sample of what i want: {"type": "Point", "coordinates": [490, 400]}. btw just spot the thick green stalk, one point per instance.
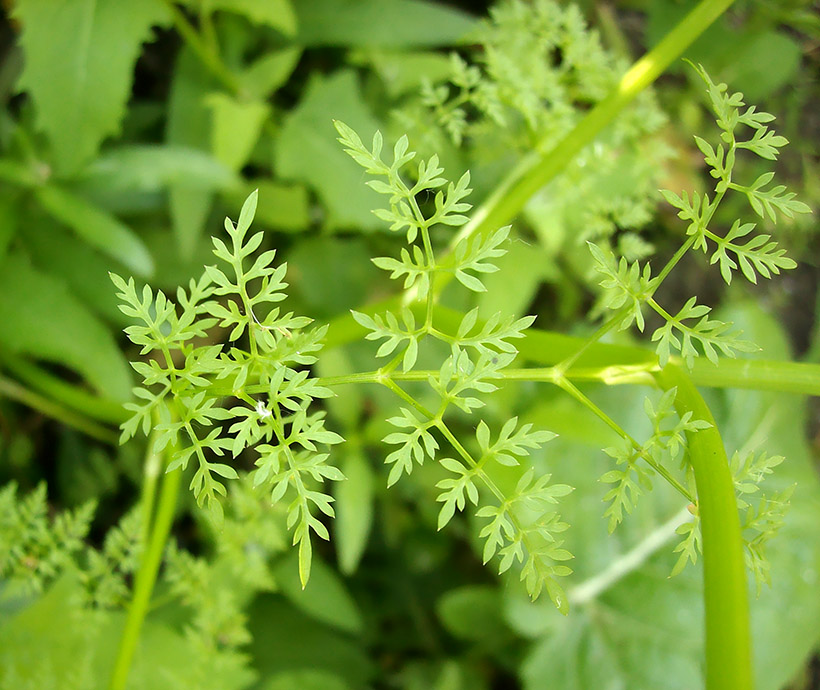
{"type": "Point", "coordinates": [728, 643]}
{"type": "Point", "coordinates": [802, 378]}
{"type": "Point", "coordinates": [147, 575]}
{"type": "Point", "coordinates": [534, 171]}
{"type": "Point", "coordinates": [610, 363]}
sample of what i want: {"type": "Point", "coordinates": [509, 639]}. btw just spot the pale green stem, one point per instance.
{"type": "Point", "coordinates": [146, 578]}
{"type": "Point", "coordinates": [150, 477]}
{"type": "Point", "coordinates": [801, 378]}
{"type": "Point", "coordinates": [728, 643]}
{"type": "Point", "coordinates": [474, 464]}
{"type": "Point", "coordinates": [607, 326]}
{"type": "Point", "coordinates": [409, 399]}
{"type": "Point", "coordinates": [752, 374]}
{"type": "Point", "coordinates": [629, 562]}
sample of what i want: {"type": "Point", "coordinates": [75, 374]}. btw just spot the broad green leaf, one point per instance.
{"type": "Point", "coordinates": [354, 510]}
{"type": "Point", "coordinates": [83, 269]}
{"type": "Point", "coordinates": [644, 634]}
{"type": "Point", "coordinates": [325, 596]}
{"type": "Point", "coordinates": [775, 422]}
{"type": "Point", "coordinates": [307, 150]}
{"type": "Point", "coordinates": [84, 473]}
{"type": "Point", "coordinates": [275, 13]}
{"type": "Point", "coordinates": [284, 207]}
{"type": "Point", "coordinates": [76, 647]}
{"type": "Point", "coordinates": [189, 125]}
{"type": "Point", "coordinates": [79, 60]}
{"type": "Point", "coordinates": [405, 72]}
{"type": "Point", "coordinates": [762, 63]}
{"type": "Point", "coordinates": [97, 227]}
{"type": "Point", "coordinates": [236, 128]}
{"type": "Point", "coordinates": [389, 23]}
{"type": "Point", "coordinates": [511, 289]}
{"type": "Point", "coordinates": [269, 72]}
{"type": "Point", "coordinates": [347, 405]}
{"type": "Point", "coordinates": [640, 629]}
{"type": "Point", "coordinates": [643, 630]}
{"type": "Point", "coordinates": [754, 60]}
{"type": "Point", "coordinates": [305, 680]}
{"type": "Point", "coordinates": [472, 612]}
{"type": "Point", "coordinates": [9, 221]}
{"type": "Point", "coordinates": [329, 294]}
{"type": "Point", "coordinates": [43, 319]}
{"type": "Point", "coordinates": [189, 214]}
{"type": "Point", "coordinates": [152, 168]}
{"type": "Point", "coordinates": [285, 639]}
{"type": "Point", "coordinates": [57, 643]}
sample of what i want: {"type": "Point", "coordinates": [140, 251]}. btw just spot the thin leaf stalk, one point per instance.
{"type": "Point", "coordinates": [612, 424]}
{"type": "Point", "coordinates": [801, 378]}
{"type": "Point", "coordinates": [438, 423]}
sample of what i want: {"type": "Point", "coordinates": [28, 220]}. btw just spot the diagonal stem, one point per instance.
{"type": "Point", "coordinates": [534, 171]}
{"type": "Point", "coordinates": [612, 424]}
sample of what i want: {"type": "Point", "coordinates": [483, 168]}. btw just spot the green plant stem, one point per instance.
{"type": "Point", "coordinates": [150, 478]}
{"type": "Point", "coordinates": [590, 589]}
{"type": "Point", "coordinates": [14, 391]}
{"type": "Point", "coordinates": [534, 171]}
{"type": "Point", "coordinates": [146, 578]}
{"type": "Point", "coordinates": [409, 399]}
{"type": "Point", "coordinates": [208, 30]}
{"type": "Point", "coordinates": [728, 644]}
{"type": "Point", "coordinates": [605, 328]}
{"type": "Point", "coordinates": [752, 374]}
{"type": "Point", "coordinates": [802, 378]}
{"type": "Point", "coordinates": [475, 465]}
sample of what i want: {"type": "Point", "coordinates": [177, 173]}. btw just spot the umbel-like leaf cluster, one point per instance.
{"type": "Point", "coordinates": [521, 526]}
{"type": "Point", "coordinates": [629, 288]}
{"type": "Point", "coordinates": [209, 402]}
{"type": "Point", "coordinates": [691, 331]}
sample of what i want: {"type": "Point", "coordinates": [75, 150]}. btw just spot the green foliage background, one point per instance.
{"type": "Point", "coordinates": [129, 130]}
